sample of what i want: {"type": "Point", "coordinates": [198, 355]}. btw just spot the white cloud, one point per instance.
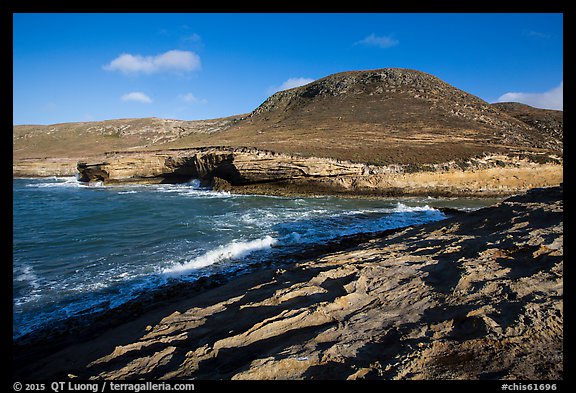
{"type": "Point", "coordinates": [295, 82]}
{"type": "Point", "coordinates": [551, 99]}
{"type": "Point", "coordinates": [378, 41]}
{"type": "Point", "coordinates": [171, 61]}
{"type": "Point", "coordinates": [192, 99]}
{"type": "Point", "coordinates": [536, 34]}
{"type": "Point", "coordinates": [291, 83]}
{"type": "Point", "coordinates": [192, 38]}
{"type": "Point", "coordinates": [136, 96]}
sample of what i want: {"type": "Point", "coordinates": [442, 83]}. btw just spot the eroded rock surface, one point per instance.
{"type": "Point", "coordinates": [238, 166]}
{"type": "Point", "coordinates": [476, 296]}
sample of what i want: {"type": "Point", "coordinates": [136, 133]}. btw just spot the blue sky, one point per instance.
{"type": "Point", "coordinates": [84, 67]}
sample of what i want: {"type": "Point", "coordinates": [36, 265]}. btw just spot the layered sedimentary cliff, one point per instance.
{"type": "Point", "coordinates": [248, 170]}
{"type": "Point", "coordinates": [45, 166]}
{"type": "Point", "coordinates": [238, 166]}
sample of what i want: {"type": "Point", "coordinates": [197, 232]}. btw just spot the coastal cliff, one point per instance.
{"type": "Point", "coordinates": [475, 296]}
{"type": "Point", "coordinates": [250, 170]}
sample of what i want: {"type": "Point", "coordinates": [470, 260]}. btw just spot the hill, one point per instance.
{"type": "Point", "coordinates": [382, 117]}
{"type": "Point", "coordinates": [54, 150]}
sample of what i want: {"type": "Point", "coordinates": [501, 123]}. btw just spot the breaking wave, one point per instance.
{"type": "Point", "coordinates": [231, 251]}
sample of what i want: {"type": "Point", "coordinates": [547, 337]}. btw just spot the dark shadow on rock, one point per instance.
{"type": "Point", "coordinates": [235, 319]}
{"type": "Point", "coordinates": [507, 313]}
{"type": "Point", "coordinates": [495, 375]}
{"type": "Point", "coordinates": [381, 349]}
{"type": "Point", "coordinates": [444, 275]}
{"type": "Point", "coordinates": [468, 328]}
{"type": "Point", "coordinates": [230, 361]}
{"type": "Point", "coordinates": [522, 263]}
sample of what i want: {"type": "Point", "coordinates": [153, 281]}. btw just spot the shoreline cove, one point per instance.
{"type": "Point", "coordinates": [438, 300]}
{"type": "Point", "coordinates": [235, 232]}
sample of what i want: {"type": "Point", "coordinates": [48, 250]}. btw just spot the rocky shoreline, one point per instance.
{"type": "Point", "coordinates": [476, 296]}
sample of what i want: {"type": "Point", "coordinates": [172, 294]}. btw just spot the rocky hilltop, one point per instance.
{"type": "Point", "coordinates": [476, 296]}
{"type": "Point", "coordinates": [388, 131]}
{"type": "Point", "coordinates": [385, 116]}
{"type": "Point", "coordinates": [549, 122]}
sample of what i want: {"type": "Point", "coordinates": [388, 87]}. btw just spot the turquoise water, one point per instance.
{"type": "Point", "coordinates": [82, 249]}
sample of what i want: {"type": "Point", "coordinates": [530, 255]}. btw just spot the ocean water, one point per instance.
{"type": "Point", "coordinates": [81, 249]}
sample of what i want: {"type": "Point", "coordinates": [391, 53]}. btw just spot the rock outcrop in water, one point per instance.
{"type": "Point", "coordinates": [476, 296]}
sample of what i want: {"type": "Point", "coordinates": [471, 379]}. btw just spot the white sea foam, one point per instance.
{"type": "Point", "coordinates": [27, 274]}
{"type": "Point", "coordinates": [68, 181]}
{"type": "Point", "coordinates": [402, 208]}
{"type": "Point", "coordinates": [204, 193]}
{"type": "Point", "coordinates": [233, 250]}
{"type": "Point", "coordinates": [262, 226]}
{"type": "Point", "coordinates": [294, 237]}
{"type": "Point", "coordinates": [260, 218]}
{"type": "Point", "coordinates": [249, 219]}
{"type": "Point", "coordinates": [191, 189]}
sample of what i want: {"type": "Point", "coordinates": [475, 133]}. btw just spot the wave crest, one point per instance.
{"type": "Point", "coordinates": [402, 208]}
{"type": "Point", "coordinates": [233, 250]}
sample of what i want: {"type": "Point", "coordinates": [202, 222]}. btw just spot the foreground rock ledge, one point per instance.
{"type": "Point", "coordinates": [477, 296]}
